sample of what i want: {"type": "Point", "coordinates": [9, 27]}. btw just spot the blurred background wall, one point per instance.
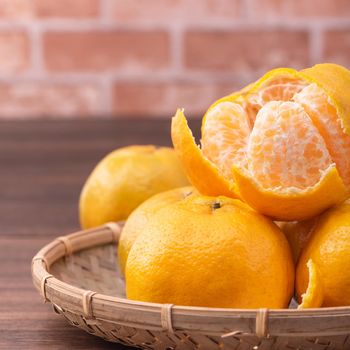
{"type": "Point", "coordinates": [139, 58]}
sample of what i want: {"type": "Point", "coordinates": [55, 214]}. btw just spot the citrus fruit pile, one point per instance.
{"type": "Point", "coordinates": [266, 216]}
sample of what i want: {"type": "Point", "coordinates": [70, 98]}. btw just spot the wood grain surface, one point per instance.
{"type": "Point", "coordinates": [43, 165]}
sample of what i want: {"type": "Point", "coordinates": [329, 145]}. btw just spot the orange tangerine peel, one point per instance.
{"type": "Point", "coordinates": [335, 81]}
{"type": "Point", "coordinates": [313, 297]}
{"type": "Point", "coordinates": [292, 205]}
{"type": "Point", "coordinates": [200, 171]}
{"type": "Point", "coordinates": [281, 144]}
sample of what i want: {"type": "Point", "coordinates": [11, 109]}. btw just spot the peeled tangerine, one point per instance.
{"type": "Point", "coordinates": [282, 144]}
{"type": "Point", "coordinates": [213, 252]}
{"type": "Point", "coordinates": [323, 271]}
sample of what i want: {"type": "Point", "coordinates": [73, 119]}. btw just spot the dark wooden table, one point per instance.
{"type": "Point", "coordinates": [43, 165]}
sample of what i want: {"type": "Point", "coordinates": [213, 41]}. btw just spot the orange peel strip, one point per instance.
{"type": "Point", "coordinates": [335, 81]}
{"type": "Point", "coordinates": [200, 171]}
{"type": "Point", "coordinates": [313, 297]}
{"type": "Point", "coordinates": [292, 205]}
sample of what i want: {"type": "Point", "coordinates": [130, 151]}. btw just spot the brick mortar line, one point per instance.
{"type": "Point", "coordinates": [107, 99]}
{"type": "Point", "coordinates": [247, 9]}
{"type": "Point", "coordinates": [233, 25]}
{"type": "Point", "coordinates": [316, 46]}
{"type": "Point", "coordinates": [111, 80]}
{"type": "Point", "coordinates": [177, 49]}
{"type": "Point", "coordinates": [36, 55]}
{"type": "Point", "coordinates": [286, 7]}
{"type": "Point", "coordinates": [103, 9]}
{"type": "Point", "coordinates": [270, 25]}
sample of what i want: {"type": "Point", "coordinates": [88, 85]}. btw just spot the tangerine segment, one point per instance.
{"type": "Point", "coordinates": [325, 117]}
{"type": "Point", "coordinates": [285, 149]}
{"type": "Point", "coordinates": [313, 297]}
{"type": "Point", "coordinates": [292, 204]}
{"type": "Point", "coordinates": [225, 136]}
{"type": "Point", "coordinates": [281, 88]}
{"type": "Point", "coordinates": [203, 174]}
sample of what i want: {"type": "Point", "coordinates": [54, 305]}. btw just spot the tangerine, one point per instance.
{"type": "Point", "coordinates": [124, 179]}
{"type": "Point", "coordinates": [281, 144]}
{"type": "Point", "coordinates": [213, 252]}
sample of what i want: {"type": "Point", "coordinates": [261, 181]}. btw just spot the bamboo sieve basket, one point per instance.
{"type": "Point", "coordinates": [78, 274]}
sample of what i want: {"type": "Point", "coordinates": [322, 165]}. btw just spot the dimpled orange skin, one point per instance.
{"type": "Point", "coordinates": [124, 179]}
{"type": "Point", "coordinates": [139, 218]}
{"type": "Point", "coordinates": [193, 254]}
{"type": "Point", "coordinates": [329, 249]}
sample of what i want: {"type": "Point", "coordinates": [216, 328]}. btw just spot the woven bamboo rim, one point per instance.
{"type": "Point", "coordinates": [95, 307]}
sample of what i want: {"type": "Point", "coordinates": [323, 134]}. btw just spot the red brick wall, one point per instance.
{"type": "Point", "coordinates": [84, 58]}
